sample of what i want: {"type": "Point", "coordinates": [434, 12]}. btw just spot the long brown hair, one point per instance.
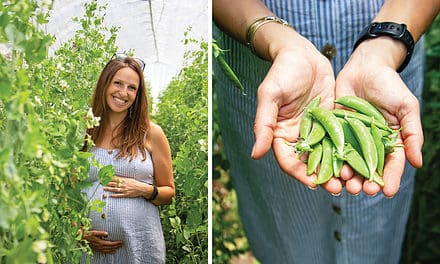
{"type": "Point", "coordinates": [134, 128]}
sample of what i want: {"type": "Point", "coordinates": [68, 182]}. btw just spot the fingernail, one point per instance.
{"type": "Point", "coordinates": [312, 188]}
{"type": "Point", "coordinates": [335, 194]}
{"type": "Point", "coordinates": [356, 194]}
{"type": "Point", "coordinates": [252, 153]}
{"type": "Point", "coordinates": [372, 195]}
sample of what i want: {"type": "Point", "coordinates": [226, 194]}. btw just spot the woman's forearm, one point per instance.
{"type": "Point", "coordinates": [417, 15]}
{"type": "Point", "coordinates": [165, 195]}
{"type": "Point", "coordinates": [233, 16]}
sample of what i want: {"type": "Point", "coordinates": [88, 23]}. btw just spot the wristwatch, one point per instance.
{"type": "Point", "coordinates": [393, 30]}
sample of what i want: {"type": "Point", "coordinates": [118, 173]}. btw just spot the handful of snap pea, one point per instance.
{"type": "Point", "coordinates": [358, 135]}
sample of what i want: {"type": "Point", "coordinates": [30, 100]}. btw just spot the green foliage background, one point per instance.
{"type": "Point", "coordinates": [422, 240]}
{"type": "Point", "coordinates": [183, 114]}
{"type": "Point", "coordinates": [44, 112]}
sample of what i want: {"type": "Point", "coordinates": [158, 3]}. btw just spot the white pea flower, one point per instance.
{"type": "Point", "coordinates": [38, 100]}
{"type": "Point", "coordinates": [60, 67]}
{"type": "Point", "coordinates": [64, 84]}
{"type": "Point", "coordinates": [39, 246]}
{"type": "Point", "coordinates": [42, 258]}
{"type": "Point", "coordinates": [95, 119]}
{"type": "Point", "coordinates": [203, 145]}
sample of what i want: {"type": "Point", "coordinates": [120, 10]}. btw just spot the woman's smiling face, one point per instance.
{"type": "Point", "coordinates": [121, 93]}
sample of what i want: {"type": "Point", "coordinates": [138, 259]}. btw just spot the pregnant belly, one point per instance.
{"type": "Point", "coordinates": [121, 217]}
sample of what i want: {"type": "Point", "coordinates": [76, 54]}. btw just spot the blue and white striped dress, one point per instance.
{"type": "Point", "coordinates": [285, 222]}
{"type": "Point", "coordinates": [133, 220]}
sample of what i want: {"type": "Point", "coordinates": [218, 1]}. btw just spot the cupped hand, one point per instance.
{"type": "Point", "coordinates": [97, 243]}
{"type": "Point", "coordinates": [299, 73]}
{"type": "Point", "coordinates": [374, 79]}
{"type": "Point", "coordinates": [125, 187]}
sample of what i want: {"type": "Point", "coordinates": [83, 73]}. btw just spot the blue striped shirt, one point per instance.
{"type": "Point", "coordinates": [135, 221]}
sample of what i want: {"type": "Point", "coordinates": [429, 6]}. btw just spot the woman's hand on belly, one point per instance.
{"type": "Point", "coordinates": [128, 188]}
{"type": "Point", "coordinates": [94, 237]}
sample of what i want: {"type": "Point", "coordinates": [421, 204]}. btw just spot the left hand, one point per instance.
{"type": "Point", "coordinates": [371, 75]}
{"type": "Point", "coordinates": [126, 187]}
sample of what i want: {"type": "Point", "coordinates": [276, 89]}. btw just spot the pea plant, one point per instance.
{"type": "Point", "coordinates": [43, 115]}
{"type": "Point", "coordinates": [183, 114]}
{"type": "Point", "coordinates": [228, 236]}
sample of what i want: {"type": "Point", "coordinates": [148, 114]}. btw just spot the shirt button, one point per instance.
{"type": "Point", "coordinates": [110, 152]}
{"type": "Point", "coordinates": [103, 216]}
{"type": "Point", "coordinates": [337, 235]}
{"type": "Point", "coordinates": [329, 51]}
{"type": "Point", "coordinates": [104, 196]}
{"type": "Point", "coordinates": [336, 209]}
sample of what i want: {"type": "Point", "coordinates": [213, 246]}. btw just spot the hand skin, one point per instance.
{"type": "Point", "coordinates": [372, 76]}
{"type": "Point", "coordinates": [298, 74]}
{"type": "Point", "coordinates": [370, 73]}
{"type": "Point", "coordinates": [94, 238]}
{"type": "Point", "coordinates": [128, 188]}
{"type": "Point", "coordinates": [159, 149]}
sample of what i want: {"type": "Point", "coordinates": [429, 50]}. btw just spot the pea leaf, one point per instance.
{"type": "Point", "coordinates": [106, 174]}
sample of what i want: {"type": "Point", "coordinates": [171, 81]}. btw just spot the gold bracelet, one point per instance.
{"type": "Point", "coordinates": [254, 26]}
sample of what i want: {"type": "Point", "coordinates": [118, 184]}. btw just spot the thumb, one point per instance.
{"type": "Point", "coordinates": [265, 122]}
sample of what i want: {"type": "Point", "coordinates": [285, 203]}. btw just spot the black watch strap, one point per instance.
{"type": "Point", "coordinates": [393, 30]}
{"type": "Point", "coordinates": [154, 194]}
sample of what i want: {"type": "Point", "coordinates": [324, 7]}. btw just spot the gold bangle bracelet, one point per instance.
{"type": "Point", "coordinates": [254, 26]}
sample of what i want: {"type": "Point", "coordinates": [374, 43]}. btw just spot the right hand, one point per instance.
{"type": "Point", "coordinates": [298, 74]}
{"type": "Point", "coordinates": [94, 237]}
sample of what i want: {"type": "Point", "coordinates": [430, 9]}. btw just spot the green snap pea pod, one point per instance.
{"type": "Point", "coordinates": [332, 127]}
{"type": "Point", "coordinates": [367, 120]}
{"type": "Point", "coordinates": [305, 126]}
{"type": "Point", "coordinates": [337, 165]}
{"type": "Point", "coordinates": [390, 144]}
{"type": "Point", "coordinates": [314, 159]}
{"type": "Point", "coordinates": [315, 136]}
{"type": "Point", "coordinates": [377, 137]}
{"type": "Point", "coordinates": [378, 179]}
{"type": "Point", "coordinates": [348, 135]}
{"type": "Point", "coordinates": [363, 135]}
{"type": "Point", "coordinates": [229, 73]}
{"type": "Point", "coordinates": [355, 160]}
{"type": "Point", "coordinates": [326, 168]}
{"type": "Point", "coordinates": [361, 106]}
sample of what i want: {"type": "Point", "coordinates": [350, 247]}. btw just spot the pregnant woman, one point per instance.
{"type": "Point", "coordinates": [128, 229]}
